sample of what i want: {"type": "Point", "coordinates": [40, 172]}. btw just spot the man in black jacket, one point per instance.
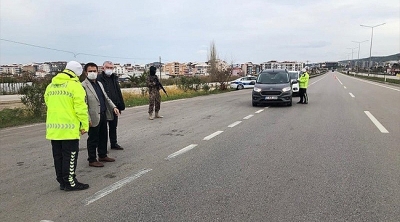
{"type": "Point", "coordinates": [111, 86]}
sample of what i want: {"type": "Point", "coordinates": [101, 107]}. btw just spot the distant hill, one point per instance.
{"type": "Point", "coordinates": [379, 59]}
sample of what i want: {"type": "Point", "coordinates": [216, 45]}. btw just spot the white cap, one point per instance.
{"type": "Point", "coordinates": [75, 67]}
{"type": "Point", "coordinates": [304, 70]}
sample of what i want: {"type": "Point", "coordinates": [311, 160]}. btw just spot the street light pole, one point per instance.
{"type": "Point", "coordinates": [358, 57]}
{"type": "Point", "coordinates": [370, 48]}
{"type": "Point", "coordinates": [351, 57]}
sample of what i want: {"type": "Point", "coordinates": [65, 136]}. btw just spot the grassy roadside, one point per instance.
{"type": "Point", "coordinates": [375, 79]}
{"type": "Point", "coordinates": [20, 116]}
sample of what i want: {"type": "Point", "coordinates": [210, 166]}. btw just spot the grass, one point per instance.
{"type": "Point", "coordinates": [20, 116]}
{"type": "Point", "coordinates": [377, 79]}
{"type": "Point", "coordinates": [17, 117]}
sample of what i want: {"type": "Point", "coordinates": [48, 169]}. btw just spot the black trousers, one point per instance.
{"type": "Point", "coordinates": [97, 140]}
{"type": "Point", "coordinates": [112, 130]}
{"type": "Point", "coordinates": [65, 155]}
{"type": "Point", "coordinates": [303, 95]}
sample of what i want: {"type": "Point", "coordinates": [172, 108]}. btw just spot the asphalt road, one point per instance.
{"type": "Point", "coordinates": [217, 158]}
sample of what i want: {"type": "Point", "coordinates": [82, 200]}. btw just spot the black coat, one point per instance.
{"type": "Point", "coordinates": [112, 88]}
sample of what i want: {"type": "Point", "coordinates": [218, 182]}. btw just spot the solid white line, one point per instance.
{"type": "Point", "coordinates": [234, 124]}
{"type": "Point", "coordinates": [114, 187]}
{"type": "Point", "coordinates": [317, 81]}
{"type": "Point", "coordinates": [345, 87]}
{"type": "Point", "coordinates": [184, 150]}
{"type": "Point", "coordinates": [248, 117]}
{"type": "Point", "coordinates": [212, 135]}
{"type": "Point", "coordinates": [259, 111]}
{"type": "Point", "coordinates": [376, 84]}
{"type": "Point", "coordinates": [351, 94]}
{"type": "Point", "coordinates": [376, 122]}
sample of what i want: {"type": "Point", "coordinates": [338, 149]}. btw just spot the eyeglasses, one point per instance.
{"type": "Point", "coordinates": [108, 67]}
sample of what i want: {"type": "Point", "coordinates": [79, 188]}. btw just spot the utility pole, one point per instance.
{"type": "Point", "coordinates": [370, 48]}
{"type": "Point", "coordinates": [351, 63]}
{"type": "Point", "coordinates": [358, 57]}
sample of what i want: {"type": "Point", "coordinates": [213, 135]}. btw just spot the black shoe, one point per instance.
{"type": "Point", "coordinates": [116, 147]}
{"type": "Point", "coordinates": [299, 102]}
{"type": "Point", "coordinates": [62, 186]}
{"type": "Point", "coordinates": [305, 103]}
{"type": "Point", "coordinates": [78, 186]}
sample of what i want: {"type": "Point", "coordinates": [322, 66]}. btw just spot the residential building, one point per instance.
{"type": "Point", "coordinates": [176, 69]}
{"type": "Point", "coordinates": [11, 69]}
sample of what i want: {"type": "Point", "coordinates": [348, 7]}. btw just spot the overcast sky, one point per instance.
{"type": "Point", "coordinates": [181, 30]}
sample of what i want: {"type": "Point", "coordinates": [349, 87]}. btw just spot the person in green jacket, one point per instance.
{"type": "Point", "coordinates": [303, 84]}
{"type": "Point", "coordinates": [67, 119]}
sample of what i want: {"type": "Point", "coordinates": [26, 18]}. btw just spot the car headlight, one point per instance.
{"type": "Point", "coordinates": [286, 89]}
{"type": "Point", "coordinates": [257, 89]}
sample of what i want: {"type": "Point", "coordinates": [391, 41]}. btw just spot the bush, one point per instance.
{"type": "Point", "coordinates": [33, 97]}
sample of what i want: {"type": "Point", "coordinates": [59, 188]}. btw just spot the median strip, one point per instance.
{"type": "Point", "coordinates": [184, 150]}
{"type": "Point", "coordinates": [212, 135]}
{"type": "Point", "coordinates": [376, 122]}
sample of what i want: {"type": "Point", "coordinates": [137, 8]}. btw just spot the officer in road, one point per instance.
{"type": "Point", "coordinates": [67, 119]}
{"type": "Point", "coordinates": [303, 84]}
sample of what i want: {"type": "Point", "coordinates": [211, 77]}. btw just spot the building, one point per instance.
{"type": "Point", "coordinates": [13, 69]}
{"type": "Point", "coordinates": [201, 69]}
{"type": "Point", "coordinates": [176, 69]}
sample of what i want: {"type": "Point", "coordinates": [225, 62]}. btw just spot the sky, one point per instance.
{"type": "Point", "coordinates": [140, 32]}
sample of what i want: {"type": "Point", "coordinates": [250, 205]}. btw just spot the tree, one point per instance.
{"type": "Point", "coordinates": [218, 74]}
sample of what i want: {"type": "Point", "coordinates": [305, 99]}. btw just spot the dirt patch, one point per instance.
{"type": "Point", "coordinates": [11, 105]}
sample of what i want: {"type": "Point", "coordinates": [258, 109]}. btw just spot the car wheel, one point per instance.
{"type": "Point", "coordinates": [254, 104]}
{"type": "Point", "coordinates": [239, 87]}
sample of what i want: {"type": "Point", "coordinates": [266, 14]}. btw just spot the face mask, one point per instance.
{"type": "Point", "coordinates": [92, 75]}
{"type": "Point", "coordinates": [108, 72]}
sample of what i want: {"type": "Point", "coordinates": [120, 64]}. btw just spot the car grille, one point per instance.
{"type": "Point", "coordinates": [267, 93]}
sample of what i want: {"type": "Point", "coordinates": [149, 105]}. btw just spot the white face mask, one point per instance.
{"type": "Point", "coordinates": [92, 75]}
{"type": "Point", "coordinates": [108, 72]}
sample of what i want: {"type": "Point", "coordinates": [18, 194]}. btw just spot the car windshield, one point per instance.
{"type": "Point", "coordinates": [294, 75]}
{"type": "Point", "coordinates": [273, 78]}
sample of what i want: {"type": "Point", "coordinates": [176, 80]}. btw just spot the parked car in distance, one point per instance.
{"type": "Point", "coordinates": [244, 82]}
{"type": "Point", "coordinates": [273, 86]}
{"type": "Point", "coordinates": [295, 75]}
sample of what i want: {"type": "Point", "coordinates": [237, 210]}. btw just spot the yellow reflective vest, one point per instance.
{"type": "Point", "coordinates": [67, 112]}
{"type": "Point", "coordinates": [303, 81]}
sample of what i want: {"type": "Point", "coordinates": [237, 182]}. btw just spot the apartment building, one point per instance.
{"type": "Point", "coordinates": [288, 65]}
{"type": "Point", "coordinates": [11, 69]}
{"type": "Point", "coordinates": [176, 69]}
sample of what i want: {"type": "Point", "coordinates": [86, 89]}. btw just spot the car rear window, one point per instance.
{"type": "Point", "coordinates": [273, 78]}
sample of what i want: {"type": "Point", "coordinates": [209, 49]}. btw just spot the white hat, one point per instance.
{"type": "Point", "coordinates": [304, 70]}
{"type": "Point", "coordinates": [75, 67]}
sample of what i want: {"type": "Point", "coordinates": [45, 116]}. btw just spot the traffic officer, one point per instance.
{"type": "Point", "coordinates": [303, 84]}
{"type": "Point", "coordinates": [67, 119]}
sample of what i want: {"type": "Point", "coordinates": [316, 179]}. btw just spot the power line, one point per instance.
{"type": "Point", "coordinates": [74, 53]}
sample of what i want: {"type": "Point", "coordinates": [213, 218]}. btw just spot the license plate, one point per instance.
{"type": "Point", "coordinates": [271, 97]}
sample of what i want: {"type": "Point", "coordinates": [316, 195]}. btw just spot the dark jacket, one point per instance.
{"type": "Point", "coordinates": [111, 86]}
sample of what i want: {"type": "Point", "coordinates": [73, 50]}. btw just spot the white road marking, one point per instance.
{"type": "Point", "coordinates": [248, 117]}
{"type": "Point", "coordinates": [339, 80]}
{"type": "Point", "coordinates": [351, 94]}
{"type": "Point", "coordinates": [376, 122]}
{"type": "Point", "coordinates": [259, 111]}
{"type": "Point", "coordinates": [317, 81]}
{"type": "Point", "coordinates": [234, 124]}
{"type": "Point", "coordinates": [184, 150]}
{"type": "Point", "coordinates": [114, 187]}
{"type": "Point", "coordinates": [376, 84]}
{"type": "Point", "coordinates": [345, 87]}
{"type": "Point", "coordinates": [212, 135]}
